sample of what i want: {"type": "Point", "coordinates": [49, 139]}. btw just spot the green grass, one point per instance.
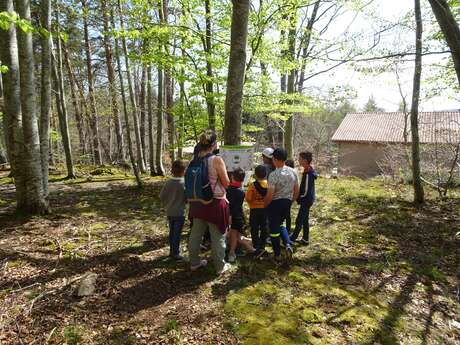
{"type": "Point", "coordinates": [359, 280]}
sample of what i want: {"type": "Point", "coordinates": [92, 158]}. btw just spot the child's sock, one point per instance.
{"type": "Point", "coordinates": [285, 236]}
{"type": "Point", "coordinates": [276, 245]}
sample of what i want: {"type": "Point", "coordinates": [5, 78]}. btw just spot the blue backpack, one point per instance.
{"type": "Point", "coordinates": [197, 185]}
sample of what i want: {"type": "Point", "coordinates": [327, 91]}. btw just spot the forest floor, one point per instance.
{"type": "Point", "coordinates": [377, 270]}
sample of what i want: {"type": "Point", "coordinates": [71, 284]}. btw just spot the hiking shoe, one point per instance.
{"type": "Point", "coordinates": [177, 257]}
{"type": "Point", "coordinates": [231, 257]}
{"type": "Point", "coordinates": [224, 269]}
{"type": "Point", "coordinates": [202, 263]}
{"type": "Point", "coordinates": [304, 242]}
{"type": "Point", "coordinates": [259, 253]}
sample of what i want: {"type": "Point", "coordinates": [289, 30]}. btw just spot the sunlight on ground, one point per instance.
{"type": "Point", "coordinates": [377, 270]}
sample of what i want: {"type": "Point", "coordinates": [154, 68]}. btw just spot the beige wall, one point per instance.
{"type": "Point", "coordinates": [359, 159]}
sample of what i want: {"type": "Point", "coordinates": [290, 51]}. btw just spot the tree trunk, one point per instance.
{"type": "Point", "coordinates": [75, 102]}
{"type": "Point", "coordinates": [169, 92]}
{"type": "Point", "coordinates": [450, 30]}
{"type": "Point", "coordinates": [150, 127]}
{"type": "Point", "coordinates": [120, 151]}
{"type": "Point", "coordinates": [181, 130]}
{"type": "Point", "coordinates": [45, 97]}
{"type": "Point", "coordinates": [289, 128]}
{"type": "Point", "coordinates": [210, 103]}
{"type": "Point", "coordinates": [12, 106]}
{"type": "Point", "coordinates": [132, 96]}
{"type": "Point", "coordinates": [236, 70]}
{"type": "Point", "coordinates": [143, 111]}
{"type": "Point", "coordinates": [92, 101]}
{"type": "Point", "coordinates": [61, 102]}
{"type": "Point", "coordinates": [36, 202]}
{"type": "Point", "coordinates": [159, 149]}
{"type": "Point", "coordinates": [418, 188]}
{"type": "Point", "coordinates": [169, 96]}
{"type": "Point", "coordinates": [160, 142]}
{"type": "Point", "coordinates": [125, 109]}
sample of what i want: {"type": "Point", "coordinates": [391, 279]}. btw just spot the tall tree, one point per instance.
{"type": "Point", "coordinates": [143, 111]}
{"type": "Point", "coordinates": [120, 151]}
{"type": "Point", "coordinates": [159, 144]}
{"type": "Point", "coordinates": [150, 122]}
{"type": "Point", "coordinates": [92, 100]}
{"type": "Point", "coordinates": [77, 103]}
{"type": "Point", "coordinates": [36, 202]}
{"type": "Point", "coordinates": [12, 105]}
{"type": "Point", "coordinates": [58, 76]}
{"type": "Point", "coordinates": [236, 70]}
{"type": "Point", "coordinates": [160, 100]}
{"type": "Point", "coordinates": [45, 97]}
{"type": "Point", "coordinates": [450, 29]}
{"type": "Point", "coordinates": [290, 86]}
{"type": "Point", "coordinates": [169, 90]}
{"type": "Point", "coordinates": [132, 96]}
{"type": "Point", "coordinates": [210, 102]}
{"type": "Point", "coordinates": [417, 181]}
{"type": "Point", "coordinates": [125, 108]}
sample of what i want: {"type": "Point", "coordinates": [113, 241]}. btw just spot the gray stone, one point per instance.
{"type": "Point", "coordinates": [87, 284]}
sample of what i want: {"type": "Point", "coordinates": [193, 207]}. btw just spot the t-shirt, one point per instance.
{"type": "Point", "coordinates": [235, 197]}
{"type": "Point", "coordinates": [282, 181]}
{"type": "Point", "coordinates": [173, 197]}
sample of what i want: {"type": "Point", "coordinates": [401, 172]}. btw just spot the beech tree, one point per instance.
{"type": "Point", "coordinates": [236, 69]}
{"type": "Point", "coordinates": [450, 29]}
{"type": "Point", "coordinates": [45, 89]}
{"type": "Point", "coordinates": [93, 116]}
{"type": "Point", "coordinates": [21, 111]}
{"type": "Point", "coordinates": [417, 181]}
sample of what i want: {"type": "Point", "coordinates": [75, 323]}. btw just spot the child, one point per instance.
{"type": "Point", "coordinates": [306, 197]}
{"type": "Point", "coordinates": [267, 155]}
{"type": "Point", "coordinates": [289, 163]}
{"type": "Point", "coordinates": [282, 189]}
{"type": "Point", "coordinates": [235, 196]}
{"type": "Point", "coordinates": [257, 215]}
{"type": "Point", "coordinates": [173, 199]}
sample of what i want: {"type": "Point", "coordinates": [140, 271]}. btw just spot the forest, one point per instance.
{"type": "Point", "coordinates": [98, 99]}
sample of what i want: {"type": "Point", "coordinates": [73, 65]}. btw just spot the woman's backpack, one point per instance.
{"type": "Point", "coordinates": [197, 185]}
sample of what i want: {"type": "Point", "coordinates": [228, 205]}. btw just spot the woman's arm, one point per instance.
{"type": "Point", "coordinates": [219, 165]}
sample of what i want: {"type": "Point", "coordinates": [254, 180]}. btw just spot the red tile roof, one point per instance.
{"type": "Point", "coordinates": [439, 126]}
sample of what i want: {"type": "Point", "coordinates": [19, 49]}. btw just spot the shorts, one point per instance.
{"type": "Point", "coordinates": [237, 224]}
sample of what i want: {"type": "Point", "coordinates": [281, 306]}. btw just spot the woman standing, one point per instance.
{"type": "Point", "coordinates": [214, 216]}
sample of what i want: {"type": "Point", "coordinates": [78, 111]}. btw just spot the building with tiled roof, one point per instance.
{"type": "Point", "coordinates": [363, 137]}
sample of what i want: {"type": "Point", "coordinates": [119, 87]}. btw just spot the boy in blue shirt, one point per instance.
{"type": "Point", "coordinates": [306, 198]}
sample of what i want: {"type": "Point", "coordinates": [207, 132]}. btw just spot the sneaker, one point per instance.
{"type": "Point", "coordinates": [202, 263]}
{"type": "Point", "coordinates": [259, 253]}
{"type": "Point", "coordinates": [289, 252]}
{"type": "Point", "coordinates": [224, 269]}
{"type": "Point", "coordinates": [177, 257]}
{"type": "Point", "coordinates": [304, 242]}
{"type": "Point", "coordinates": [231, 257]}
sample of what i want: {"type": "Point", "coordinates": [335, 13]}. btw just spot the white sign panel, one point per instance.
{"type": "Point", "coordinates": [237, 157]}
